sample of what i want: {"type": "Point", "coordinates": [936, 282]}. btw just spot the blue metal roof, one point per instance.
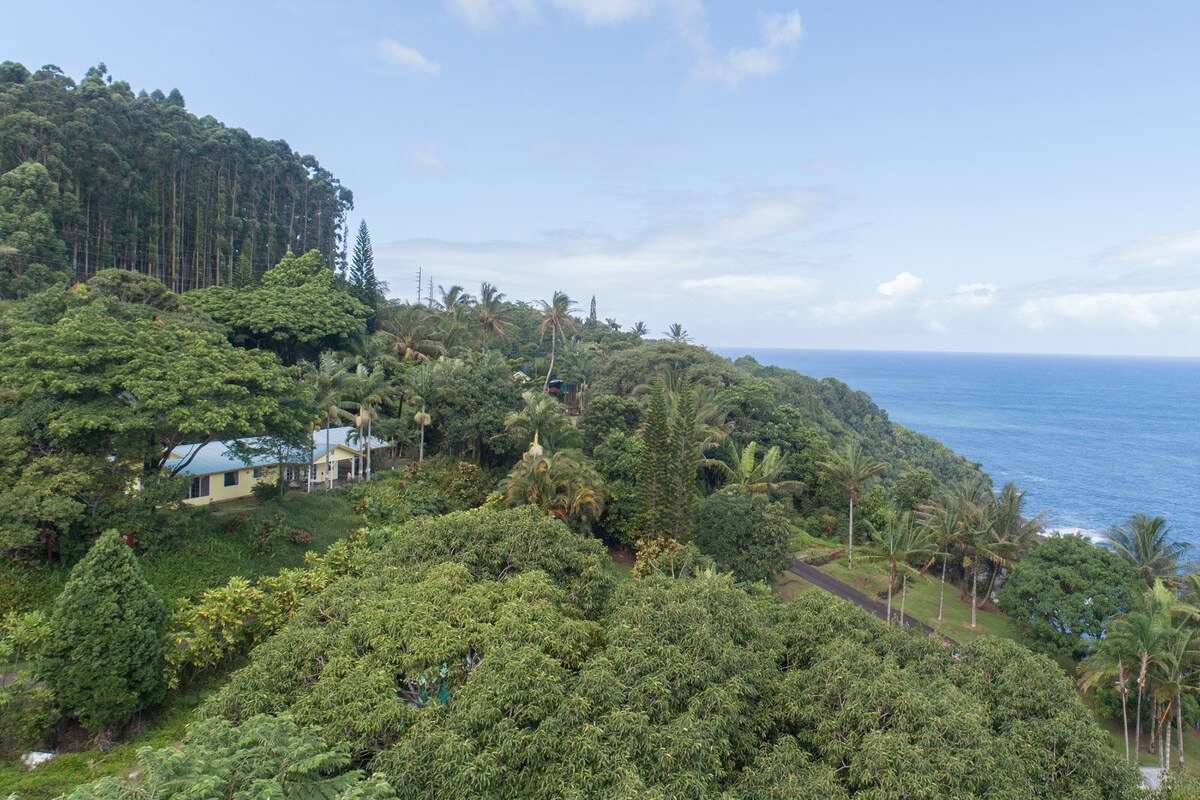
{"type": "Point", "coordinates": [216, 457]}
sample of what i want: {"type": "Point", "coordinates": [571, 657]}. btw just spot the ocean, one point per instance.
{"type": "Point", "coordinates": [1092, 439]}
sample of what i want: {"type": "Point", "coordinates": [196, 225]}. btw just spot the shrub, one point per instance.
{"type": "Point", "coordinates": [27, 716]}
{"type": "Point", "coordinates": [746, 534]}
{"type": "Point", "coordinates": [103, 661]}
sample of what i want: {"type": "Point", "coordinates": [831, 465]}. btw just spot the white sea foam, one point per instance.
{"type": "Point", "coordinates": [1096, 535]}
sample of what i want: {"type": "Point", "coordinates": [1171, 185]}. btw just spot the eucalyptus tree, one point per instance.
{"type": "Point", "coordinates": [1143, 542]}
{"type": "Point", "coordinates": [558, 322]}
{"type": "Point", "coordinates": [851, 470]}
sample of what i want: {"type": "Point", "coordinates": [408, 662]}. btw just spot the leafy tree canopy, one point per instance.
{"type": "Point", "coordinates": [1064, 593]}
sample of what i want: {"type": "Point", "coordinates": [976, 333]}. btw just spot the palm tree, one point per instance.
{"type": "Point", "coordinates": [413, 333]}
{"type": "Point", "coordinates": [560, 483]}
{"type": "Point", "coordinates": [332, 385]}
{"type": "Point", "coordinates": [557, 321]}
{"type": "Point", "coordinates": [490, 313]}
{"type": "Point", "coordinates": [743, 470]}
{"type": "Point", "coordinates": [371, 389]}
{"type": "Point", "coordinates": [676, 333]}
{"type": "Point", "coordinates": [541, 419]}
{"type": "Point", "coordinates": [1143, 543]}
{"type": "Point", "coordinates": [898, 543]}
{"type": "Point", "coordinates": [851, 470]}
{"type": "Point", "coordinates": [944, 523]}
{"type": "Point", "coordinates": [639, 329]}
{"type": "Point", "coordinates": [454, 302]}
{"type": "Point", "coordinates": [1112, 661]}
{"type": "Point", "coordinates": [1012, 533]}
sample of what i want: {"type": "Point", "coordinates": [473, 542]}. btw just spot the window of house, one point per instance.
{"type": "Point", "coordinates": [258, 473]}
{"type": "Point", "coordinates": [199, 487]}
{"type": "Point", "coordinates": [231, 478]}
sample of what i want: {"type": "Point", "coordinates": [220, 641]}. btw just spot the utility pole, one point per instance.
{"type": "Point", "coordinates": [418, 286]}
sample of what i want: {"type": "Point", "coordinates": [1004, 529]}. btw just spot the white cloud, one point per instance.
{"type": "Point", "coordinates": [780, 37]}
{"type": "Point", "coordinates": [1160, 250]}
{"type": "Point", "coordinates": [974, 294]}
{"type": "Point", "coordinates": [486, 13]}
{"type": "Point", "coordinates": [902, 285]}
{"type": "Point", "coordinates": [759, 285]}
{"type": "Point", "coordinates": [401, 55]}
{"type": "Point", "coordinates": [1130, 311]}
{"type": "Point", "coordinates": [427, 161]}
{"type": "Point", "coordinates": [780, 32]}
{"type": "Point", "coordinates": [606, 12]}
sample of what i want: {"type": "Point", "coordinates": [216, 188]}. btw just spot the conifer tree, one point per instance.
{"type": "Point", "coordinates": [104, 657]}
{"type": "Point", "coordinates": [363, 283]}
{"type": "Point", "coordinates": [592, 312]}
{"type": "Point", "coordinates": [657, 484]}
{"type": "Point", "coordinates": [243, 273]}
{"type": "Point", "coordinates": [683, 458]}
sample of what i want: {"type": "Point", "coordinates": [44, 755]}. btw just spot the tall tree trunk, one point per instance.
{"type": "Point", "coordinates": [368, 447]}
{"type": "Point", "coordinates": [1137, 739]}
{"type": "Point", "coordinates": [328, 453]}
{"type": "Point", "coordinates": [974, 589]}
{"type": "Point", "coordinates": [1125, 719]}
{"type": "Point", "coordinates": [903, 593]}
{"type": "Point", "coordinates": [850, 537]}
{"type": "Point", "coordinates": [1166, 734]}
{"type": "Point", "coordinates": [891, 583]}
{"type": "Point", "coordinates": [549, 372]}
{"type": "Point", "coordinates": [1179, 727]}
{"type": "Point", "coordinates": [942, 590]}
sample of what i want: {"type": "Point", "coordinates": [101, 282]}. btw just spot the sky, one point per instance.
{"type": "Point", "coordinates": [1014, 176]}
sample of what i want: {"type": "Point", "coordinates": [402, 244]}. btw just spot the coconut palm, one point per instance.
{"type": "Point", "coordinates": [1013, 534]}
{"type": "Point", "coordinates": [639, 329]}
{"type": "Point", "coordinates": [1142, 542]}
{"type": "Point", "coordinates": [413, 333]}
{"type": "Point", "coordinates": [1113, 662]}
{"type": "Point", "coordinates": [743, 469]}
{"type": "Point", "coordinates": [558, 322]}
{"type": "Point", "coordinates": [851, 470]}
{"type": "Point", "coordinates": [454, 302]}
{"type": "Point", "coordinates": [676, 333]}
{"type": "Point", "coordinates": [490, 314]}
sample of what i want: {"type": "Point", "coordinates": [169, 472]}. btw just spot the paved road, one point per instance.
{"type": "Point", "coordinates": [835, 587]}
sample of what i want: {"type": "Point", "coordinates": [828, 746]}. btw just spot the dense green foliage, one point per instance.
{"type": "Point", "coordinates": [462, 662]}
{"type": "Point", "coordinates": [745, 534]}
{"type": "Point", "coordinates": [137, 182]}
{"type": "Point", "coordinates": [263, 757]}
{"type": "Point", "coordinates": [1065, 592]}
{"type": "Point", "coordinates": [103, 661]}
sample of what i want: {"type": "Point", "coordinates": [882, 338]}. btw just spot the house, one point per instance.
{"type": "Point", "coordinates": [229, 470]}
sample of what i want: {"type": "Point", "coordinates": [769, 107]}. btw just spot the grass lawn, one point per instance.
{"type": "Point", "coordinates": [870, 578]}
{"type": "Point", "coordinates": [1191, 743]}
{"type": "Point", "coordinates": [206, 555]}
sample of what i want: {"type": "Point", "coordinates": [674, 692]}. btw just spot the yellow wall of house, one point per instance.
{"type": "Point", "coordinates": [218, 492]}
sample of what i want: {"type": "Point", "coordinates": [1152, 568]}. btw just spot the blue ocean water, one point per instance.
{"type": "Point", "coordinates": [1092, 439]}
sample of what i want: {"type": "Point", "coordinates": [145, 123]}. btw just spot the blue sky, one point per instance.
{"type": "Point", "coordinates": [1005, 176]}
